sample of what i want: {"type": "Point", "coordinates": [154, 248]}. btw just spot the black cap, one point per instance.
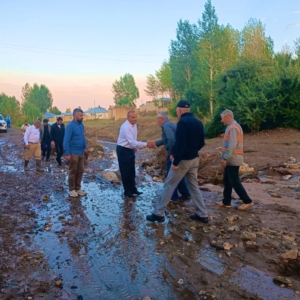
{"type": "Point", "coordinates": [183, 104]}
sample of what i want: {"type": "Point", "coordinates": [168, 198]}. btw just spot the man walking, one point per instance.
{"type": "Point", "coordinates": [75, 147]}
{"type": "Point", "coordinates": [45, 131]}
{"type": "Point", "coordinates": [168, 139]}
{"type": "Point", "coordinates": [57, 138]}
{"type": "Point", "coordinates": [126, 148]}
{"type": "Point", "coordinates": [33, 146]}
{"type": "Point", "coordinates": [25, 126]}
{"type": "Point", "coordinates": [189, 139]}
{"type": "Point", "coordinates": [232, 159]}
{"type": "Point", "coordinates": [8, 121]}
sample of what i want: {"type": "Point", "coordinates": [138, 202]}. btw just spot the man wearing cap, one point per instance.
{"type": "Point", "coordinates": [189, 139]}
{"type": "Point", "coordinates": [45, 132]}
{"type": "Point", "coordinates": [57, 138]}
{"type": "Point", "coordinates": [232, 159]}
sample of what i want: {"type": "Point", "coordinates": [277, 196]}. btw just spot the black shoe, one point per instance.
{"type": "Point", "coordinates": [137, 193]}
{"type": "Point", "coordinates": [185, 198]}
{"type": "Point", "coordinates": [43, 157]}
{"type": "Point", "coordinates": [129, 195]}
{"type": "Point", "coordinates": [174, 201]}
{"type": "Point", "coordinates": [195, 217]}
{"type": "Point", "coordinates": [153, 218]}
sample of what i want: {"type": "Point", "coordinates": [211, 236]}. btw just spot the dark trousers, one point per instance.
{"type": "Point", "coordinates": [126, 159]}
{"type": "Point", "coordinates": [8, 124]}
{"type": "Point", "coordinates": [59, 148]}
{"type": "Point", "coordinates": [76, 168]}
{"type": "Point", "coordinates": [182, 186]}
{"type": "Point", "coordinates": [231, 181]}
{"type": "Point", "coordinates": [46, 148]}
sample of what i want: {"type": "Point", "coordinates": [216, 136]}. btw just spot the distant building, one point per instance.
{"type": "Point", "coordinates": [96, 113]}
{"type": "Point", "coordinates": [67, 117]}
{"type": "Point", "coordinates": [119, 112]}
{"type": "Point", "coordinates": [157, 105]}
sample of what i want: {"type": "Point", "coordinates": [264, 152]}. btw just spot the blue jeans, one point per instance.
{"type": "Point", "coordinates": [182, 187]}
{"type": "Point", "coordinates": [8, 124]}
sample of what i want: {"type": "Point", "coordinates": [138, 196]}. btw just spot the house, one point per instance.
{"type": "Point", "coordinates": [119, 112]}
{"type": "Point", "coordinates": [96, 113]}
{"type": "Point", "coordinates": [67, 117]}
{"type": "Point", "coordinates": [50, 116]}
{"type": "Point", "coordinates": [157, 105]}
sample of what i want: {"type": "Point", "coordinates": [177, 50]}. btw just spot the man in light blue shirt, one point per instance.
{"type": "Point", "coordinates": [75, 147]}
{"type": "Point", "coordinates": [127, 146]}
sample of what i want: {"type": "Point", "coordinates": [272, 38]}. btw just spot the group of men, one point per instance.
{"type": "Point", "coordinates": [183, 143]}
{"type": "Point", "coordinates": [39, 138]}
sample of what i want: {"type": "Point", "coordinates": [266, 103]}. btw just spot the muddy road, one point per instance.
{"type": "Point", "coordinates": [101, 247]}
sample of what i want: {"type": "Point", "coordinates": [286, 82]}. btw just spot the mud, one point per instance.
{"type": "Point", "coordinates": [100, 247]}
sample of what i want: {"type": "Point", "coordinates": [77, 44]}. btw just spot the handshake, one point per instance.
{"type": "Point", "coordinates": [151, 144]}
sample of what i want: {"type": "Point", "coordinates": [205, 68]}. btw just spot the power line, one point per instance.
{"type": "Point", "coordinates": [83, 52]}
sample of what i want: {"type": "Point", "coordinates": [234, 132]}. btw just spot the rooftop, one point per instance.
{"type": "Point", "coordinates": [96, 110]}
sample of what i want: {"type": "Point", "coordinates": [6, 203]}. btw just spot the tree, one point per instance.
{"type": "Point", "coordinates": [55, 110]}
{"type": "Point", "coordinates": [297, 47]}
{"type": "Point", "coordinates": [152, 87]}
{"type": "Point", "coordinates": [164, 77]}
{"type": "Point", "coordinates": [255, 45]}
{"type": "Point", "coordinates": [31, 112]}
{"type": "Point", "coordinates": [125, 91]}
{"type": "Point", "coordinates": [9, 106]}
{"type": "Point", "coordinates": [26, 90]}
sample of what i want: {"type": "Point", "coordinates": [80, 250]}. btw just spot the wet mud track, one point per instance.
{"type": "Point", "coordinates": [100, 247]}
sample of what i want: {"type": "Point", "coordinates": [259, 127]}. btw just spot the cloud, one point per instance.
{"type": "Point", "coordinates": [292, 25]}
{"type": "Point", "coordinates": [296, 12]}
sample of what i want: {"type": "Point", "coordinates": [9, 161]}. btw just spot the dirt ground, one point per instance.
{"type": "Point", "coordinates": [100, 247]}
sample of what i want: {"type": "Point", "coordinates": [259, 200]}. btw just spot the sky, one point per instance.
{"type": "Point", "coordinates": [79, 48]}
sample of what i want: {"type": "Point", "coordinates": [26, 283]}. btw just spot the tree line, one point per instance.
{"type": "Point", "coordinates": [36, 100]}
{"type": "Point", "coordinates": [216, 67]}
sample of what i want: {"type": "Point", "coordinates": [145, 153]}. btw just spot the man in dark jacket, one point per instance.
{"type": "Point", "coordinates": [57, 138]}
{"type": "Point", "coordinates": [168, 140]}
{"type": "Point", "coordinates": [75, 147]}
{"type": "Point", "coordinates": [189, 139]}
{"type": "Point", "coordinates": [45, 132]}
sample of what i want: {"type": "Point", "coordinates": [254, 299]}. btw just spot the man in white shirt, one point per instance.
{"type": "Point", "coordinates": [127, 146]}
{"type": "Point", "coordinates": [24, 127]}
{"type": "Point", "coordinates": [33, 145]}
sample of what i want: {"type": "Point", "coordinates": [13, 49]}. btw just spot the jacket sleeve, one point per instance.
{"type": "Point", "coordinates": [67, 138]}
{"type": "Point", "coordinates": [85, 144]}
{"type": "Point", "coordinates": [159, 143]}
{"type": "Point", "coordinates": [179, 148]}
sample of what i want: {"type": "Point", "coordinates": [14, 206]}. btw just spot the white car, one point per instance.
{"type": "Point", "coordinates": [3, 125]}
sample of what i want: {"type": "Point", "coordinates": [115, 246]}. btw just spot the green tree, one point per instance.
{"type": "Point", "coordinates": [9, 106]}
{"type": "Point", "coordinates": [39, 96]}
{"type": "Point", "coordinates": [55, 110]}
{"type": "Point", "coordinates": [125, 91]}
{"type": "Point", "coordinates": [31, 111]}
{"type": "Point", "coordinates": [152, 87]}
{"type": "Point", "coordinates": [164, 77]}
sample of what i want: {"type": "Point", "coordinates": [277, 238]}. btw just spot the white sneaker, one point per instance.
{"type": "Point", "coordinates": [81, 192]}
{"type": "Point", "coordinates": [73, 194]}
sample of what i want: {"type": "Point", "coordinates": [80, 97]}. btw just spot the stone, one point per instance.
{"type": "Point", "coordinates": [234, 228]}
{"type": "Point", "coordinates": [293, 166]}
{"type": "Point", "coordinates": [109, 176]}
{"type": "Point", "coordinates": [286, 177]}
{"type": "Point", "coordinates": [248, 236]}
{"type": "Point", "coordinates": [282, 280]}
{"type": "Point", "coordinates": [289, 238]}
{"type": "Point", "coordinates": [193, 228]}
{"type": "Point", "coordinates": [250, 243]}
{"type": "Point", "coordinates": [292, 159]}
{"type": "Point", "coordinates": [156, 179]}
{"type": "Point", "coordinates": [147, 298]}
{"type": "Point", "coordinates": [233, 218]}
{"type": "Point", "coordinates": [58, 283]}
{"type": "Point", "coordinates": [292, 254]}
{"type": "Point", "coordinates": [180, 281]}
{"type": "Point", "coordinates": [227, 246]}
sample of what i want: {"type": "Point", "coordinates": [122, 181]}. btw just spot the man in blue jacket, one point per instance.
{"type": "Point", "coordinates": [75, 147]}
{"type": "Point", "coordinates": [189, 139]}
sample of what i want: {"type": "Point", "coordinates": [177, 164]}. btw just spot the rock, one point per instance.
{"type": "Point", "coordinates": [275, 195]}
{"type": "Point", "coordinates": [58, 283]}
{"type": "Point", "coordinates": [293, 186]}
{"type": "Point", "coordinates": [227, 246]}
{"type": "Point", "coordinates": [292, 159]}
{"type": "Point", "coordinates": [248, 236]}
{"type": "Point", "coordinates": [283, 171]}
{"type": "Point", "coordinates": [147, 298]}
{"type": "Point", "coordinates": [234, 228]}
{"type": "Point", "coordinates": [193, 228]}
{"type": "Point", "coordinates": [250, 243]}
{"type": "Point", "coordinates": [282, 280]}
{"type": "Point", "coordinates": [46, 198]}
{"type": "Point", "coordinates": [109, 175]}
{"type": "Point", "coordinates": [293, 166]}
{"type": "Point", "coordinates": [245, 169]}
{"type": "Point", "coordinates": [292, 254]}
{"type": "Point", "coordinates": [289, 238]}
{"type": "Point", "coordinates": [286, 177]}
{"type": "Point", "coordinates": [233, 218]}
{"type": "Point", "coordinates": [180, 281]}
{"type": "Point", "coordinates": [156, 179]}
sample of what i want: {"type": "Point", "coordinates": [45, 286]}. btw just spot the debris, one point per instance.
{"type": "Point", "coordinates": [234, 228]}
{"type": "Point", "coordinates": [292, 254]}
{"type": "Point", "coordinates": [227, 246]}
{"type": "Point", "coordinates": [293, 166]}
{"type": "Point", "coordinates": [245, 169]}
{"type": "Point", "coordinates": [286, 177]}
{"type": "Point", "coordinates": [233, 218]}
{"type": "Point", "coordinates": [46, 198]}
{"type": "Point", "coordinates": [193, 228]}
{"type": "Point", "coordinates": [58, 283]}
{"type": "Point", "coordinates": [282, 280]}
{"type": "Point", "coordinates": [109, 176]}
{"type": "Point", "coordinates": [180, 281]}
{"type": "Point", "coordinates": [248, 236]}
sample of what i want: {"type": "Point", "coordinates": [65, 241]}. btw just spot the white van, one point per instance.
{"type": "Point", "coordinates": [3, 126]}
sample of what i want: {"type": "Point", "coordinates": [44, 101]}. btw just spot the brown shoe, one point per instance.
{"type": "Point", "coordinates": [26, 165]}
{"type": "Point", "coordinates": [220, 203]}
{"type": "Point", "coordinates": [38, 166]}
{"type": "Point", "coordinates": [245, 206]}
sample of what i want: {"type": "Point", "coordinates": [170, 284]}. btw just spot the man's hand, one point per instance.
{"type": "Point", "coordinates": [27, 146]}
{"type": "Point", "coordinates": [175, 167]}
{"type": "Point", "coordinates": [86, 151]}
{"type": "Point", "coordinates": [52, 144]}
{"type": "Point", "coordinates": [150, 144]}
{"type": "Point", "coordinates": [223, 163]}
{"type": "Point", "coordinates": [68, 158]}
{"type": "Point", "coordinates": [171, 157]}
